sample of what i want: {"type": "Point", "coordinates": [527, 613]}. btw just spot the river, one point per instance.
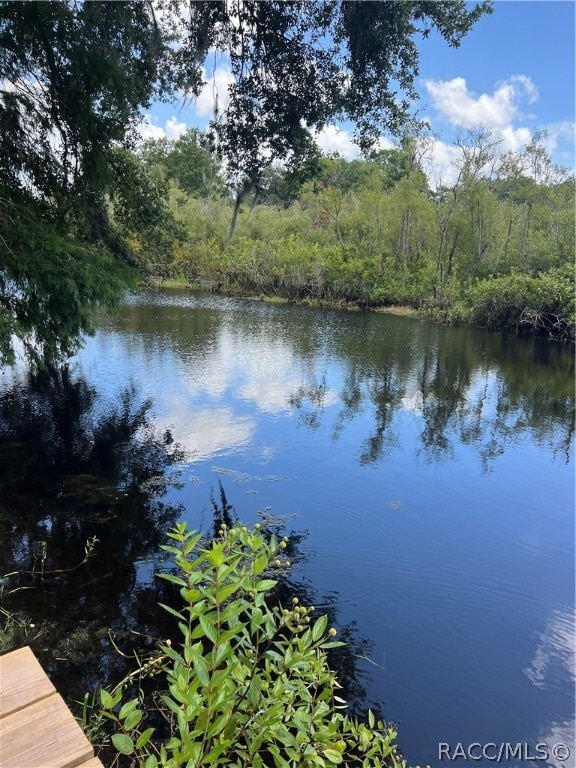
{"type": "Point", "coordinates": [425, 475]}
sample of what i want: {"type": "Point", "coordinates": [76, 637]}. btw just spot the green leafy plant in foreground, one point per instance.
{"type": "Point", "coordinates": [250, 685]}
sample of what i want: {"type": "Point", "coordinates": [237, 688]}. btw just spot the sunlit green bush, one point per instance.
{"type": "Point", "coordinates": [543, 305]}
{"type": "Point", "coordinates": [249, 685]}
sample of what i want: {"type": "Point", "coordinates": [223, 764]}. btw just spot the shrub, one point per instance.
{"type": "Point", "coordinates": [250, 685]}
{"type": "Point", "coordinates": [543, 305]}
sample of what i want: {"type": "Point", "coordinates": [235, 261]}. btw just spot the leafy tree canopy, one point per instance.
{"type": "Point", "coordinates": [301, 65]}
{"type": "Point", "coordinates": [187, 161]}
{"type": "Point", "coordinates": [74, 77]}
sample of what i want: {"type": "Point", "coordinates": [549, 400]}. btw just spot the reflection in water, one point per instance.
{"type": "Point", "coordinates": [426, 467]}
{"type": "Point", "coordinates": [555, 654]}
{"type": "Point", "coordinates": [75, 470]}
{"type": "Point", "coordinates": [459, 394]}
{"type": "Point", "coordinates": [462, 386]}
{"type": "Point", "coordinates": [553, 663]}
{"type": "Point", "coordinates": [207, 432]}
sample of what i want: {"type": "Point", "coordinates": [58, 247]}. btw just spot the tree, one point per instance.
{"type": "Point", "coordinates": [73, 79]}
{"type": "Point", "coordinates": [187, 161]}
{"type": "Point", "coordinates": [75, 76]}
{"type": "Point", "coordinates": [299, 66]}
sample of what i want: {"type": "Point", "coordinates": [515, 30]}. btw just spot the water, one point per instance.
{"type": "Point", "coordinates": [425, 475]}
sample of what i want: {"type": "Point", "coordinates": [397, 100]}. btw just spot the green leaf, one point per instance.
{"type": "Point", "coordinates": [332, 755]}
{"type": "Point", "coordinates": [172, 611]}
{"type": "Point", "coordinates": [133, 719]}
{"type": "Point", "coordinates": [254, 692]}
{"type": "Point", "coordinates": [265, 585]}
{"type": "Point", "coordinates": [225, 592]}
{"type": "Point", "coordinates": [319, 628]}
{"type": "Point", "coordinates": [172, 550]}
{"type": "Point", "coordinates": [144, 738]}
{"type": "Point", "coordinates": [151, 762]}
{"type": "Point", "coordinates": [201, 669]}
{"type": "Point", "coordinates": [224, 650]}
{"type": "Point", "coordinates": [256, 619]}
{"type": "Point", "coordinates": [106, 699]}
{"type": "Point", "coordinates": [123, 743]}
{"type": "Point", "coordinates": [127, 708]}
{"type": "Point", "coordinates": [208, 628]}
{"type": "Point", "coordinates": [259, 564]}
{"type": "Point", "coordinates": [230, 633]}
{"type": "Point", "coordinates": [219, 725]}
{"type": "Point", "coordinates": [371, 719]}
{"type": "Point", "coordinates": [173, 579]}
{"type": "Point", "coordinates": [215, 556]}
{"type": "Point", "coordinates": [172, 705]}
{"type": "Point", "coordinates": [191, 543]}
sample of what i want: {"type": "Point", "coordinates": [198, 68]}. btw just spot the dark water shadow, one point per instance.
{"type": "Point", "coordinates": [82, 518]}
{"type": "Point", "coordinates": [81, 522]}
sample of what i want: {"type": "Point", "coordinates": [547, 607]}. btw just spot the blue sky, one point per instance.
{"type": "Point", "coordinates": [513, 73]}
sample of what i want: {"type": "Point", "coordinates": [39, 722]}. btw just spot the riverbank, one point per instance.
{"type": "Point", "coordinates": [349, 306]}
{"type": "Point", "coordinates": [527, 306]}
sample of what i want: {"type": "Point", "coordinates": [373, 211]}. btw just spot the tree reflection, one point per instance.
{"type": "Point", "coordinates": [75, 470]}
{"type": "Point", "coordinates": [460, 387]}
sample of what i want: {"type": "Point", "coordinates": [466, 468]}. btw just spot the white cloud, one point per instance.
{"type": "Point", "coordinates": [333, 139]}
{"type": "Point", "coordinates": [149, 128]}
{"type": "Point", "coordinates": [463, 108]}
{"type": "Point", "coordinates": [214, 90]}
{"type": "Point", "coordinates": [175, 129]}
{"type": "Point", "coordinates": [439, 163]}
{"type": "Point", "coordinates": [557, 133]}
{"type": "Point", "coordinates": [514, 139]}
{"type": "Point", "coordinates": [384, 143]}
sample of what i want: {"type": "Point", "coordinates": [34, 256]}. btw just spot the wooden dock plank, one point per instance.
{"type": "Point", "coordinates": [22, 681]}
{"type": "Point", "coordinates": [43, 735]}
{"type": "Point", "coordinates": [37, 730]}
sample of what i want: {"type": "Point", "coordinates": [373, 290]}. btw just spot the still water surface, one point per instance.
{"type": "Point", "coordinates": [425, 472]}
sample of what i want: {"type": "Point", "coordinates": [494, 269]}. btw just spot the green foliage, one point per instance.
{"type": "Point", "coordinates": [298, 66]}
{"type": "Point", "coordinates": [74, 79]}
{"type": "Point", "coordinates": [187, 162]}
{"type": "Point", "coordinates": [51, 280]}
{"type": "Point", "coordinates": [543, 305]}
{"type": "Point", "coordinates": [250, 684]}
{"type": "Point", "coordinates": [372, 233]}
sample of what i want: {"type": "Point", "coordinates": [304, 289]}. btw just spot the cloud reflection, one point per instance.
{"type": "Point", "coordinates": [207, 432]}
{"type": "Point", "coordinates": [555, 651]}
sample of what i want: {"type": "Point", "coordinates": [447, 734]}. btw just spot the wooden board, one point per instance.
{"type": "Point", "coordinates": [37, 730]}
{"type": "Point", "coordinates": [22, 681]}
